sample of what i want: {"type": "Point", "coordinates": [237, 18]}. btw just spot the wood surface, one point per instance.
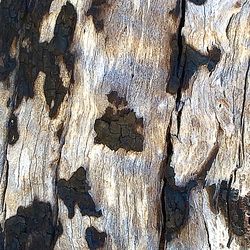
{"type": "Point", "coordinates": [132, 56]}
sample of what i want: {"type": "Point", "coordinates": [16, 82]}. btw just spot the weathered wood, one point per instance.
{"type": "Point", "coordinates": [183, 67]}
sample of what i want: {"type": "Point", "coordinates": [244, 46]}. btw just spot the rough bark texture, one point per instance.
{"type": "Point", "coordinates": [137, 135]}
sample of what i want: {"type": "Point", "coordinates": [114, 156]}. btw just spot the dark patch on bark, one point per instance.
{"type": "Point", "coordinates": [13, 134]}
{"type": "Point", "coordinates": [184, 68]}
{"type": "Point", "coordinates": [96, 11]}
{"type": "Point", "coordinates": [230, 205]}
{"type": "Point", "coordinates": [32, 228]}
{"type": "Point", "coordinates": [176, 11]}
{"type": "Point", "coordinates": [11, 12]}
{"type": "Point", "coordinates": [186, 60]}
{"type": "Point", "coordinates": [1, 238]}
{"type": "Point", "coordinates": [59, 46]}
{"type": "Point", "coordinates": [59, 132]}
{"type": "Point", "coordinates": [119, 127]}
{"type": "Point", "coordinates": [8, 103]}
{"type": "Point", "coordinates": [76, 191]}
{"type": "Point", "coordinates": [198, 2]}
{"type": "Point", "coordinates": [30, 53]}
{"type": "Point", "coordinates": [214, 56]}
{"type": "Point", "coordinates": [22, 20]}
{"type": "Point", "coordinates": [211, 190]}
{"type": "Point", "coordinates": [174, 199]}
{"type": "Point", "coordinates": [117, 101]}
{"type": "Point", "coordinates": [19, 18]}
{"type": "Point", "coordinates": [235, 208]}
{"type": "Point", "coordinates": [94, 238]}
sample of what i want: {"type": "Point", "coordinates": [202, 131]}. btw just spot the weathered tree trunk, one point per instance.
{"type": "Point", "coordinates": [126, 117]}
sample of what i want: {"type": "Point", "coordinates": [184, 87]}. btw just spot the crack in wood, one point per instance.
{"type": "Point", "coordinates": [60, 131]}
{"type": "Point", "coordinates": [5, 176]}
{"type": "Point", "coordinates": [242, 145]}
{"type": "Point", "coordinates": [13, 134]}
{"type": "Point", "coordinates": [201, 175]}
{"type": "Point", "coordinates": [235, 209]}
{"type": "Point", "coordinates": [166, 162]}
{"type": "Point", "coordinates": [174, 199]}
{"type": "Point", "coordinates": [207, 231]}
{"type": "Point", "coordinates": [185, 61]}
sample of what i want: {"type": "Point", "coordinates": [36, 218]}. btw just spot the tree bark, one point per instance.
{"type": "Point", "coordinates": [180, 69]}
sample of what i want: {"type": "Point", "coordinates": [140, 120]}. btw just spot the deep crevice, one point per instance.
{"type": "Point", "coordinates": [59, 132]}
{"type": "Point", "coordinates": [180, 60]}
{"type": "Point", "coordinates": [6, 182]}
{"type": "Point", "coordinates": [13, 134]}
{"type": "Point", "coordinates": [174, 199]}
{"type": "Point", "coordinates": [166, 163]}
{"type": "Point", "coordinates": [61, 137]}
{"type": "Point", "coordinates": [228, 210]}
{"type": "Point", "coordinates": [179, 114]}
{"type": "Point", "coordinates": [208, 238]}
{"type": "Point", "coordinates": [243, 110]}
{"type": "Point", "coordinates": [239, 155]}
{"type": "Point", "coordinates": [167, 183]}
{"type": "Point", "coordinates": [202, 174]}
{"type": "Point", "coordinates": [179, 35]}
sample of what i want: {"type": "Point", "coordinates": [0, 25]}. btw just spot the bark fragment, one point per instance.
{"type": "Point", "coordinates": [94, 238]}
{"type": "Point", "coordinates": [176, 204]}
{"type": "Point", "coordinates": [32, 228]}
{"type": "Point", "coordinates": [119, 127]}
{"type": "Point", "coordinates": [75, 191]}
{"type": "Point", "coordinates": [24, 20]}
